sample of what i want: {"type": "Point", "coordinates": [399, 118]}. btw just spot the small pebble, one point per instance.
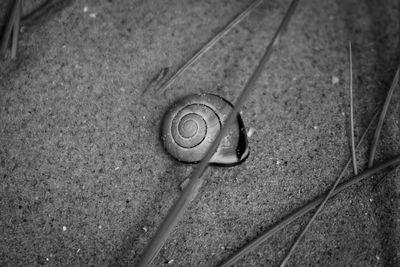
{"type": "Point", "coordinates": [93, 15]}
{"type": "Point", "coordinates": [170, 262]}
{"type": "Point", "coordinates": [99, 226]}
{"type": "Point", "coordinates": [85, 9]}
{"type": "Point", "coordinates": [335, 79]}
{"type": "Point", "coordinates": [145, 229]}
{"type": "Point", "coordinates": [377, 257]}
{"type": "Point", "coordinates": [64, 228]}
{"type": "Point", "coordinates": [315, 127]}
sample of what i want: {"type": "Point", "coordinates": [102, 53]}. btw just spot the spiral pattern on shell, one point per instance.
{"type": "Point", "coordinates": [193, 123]}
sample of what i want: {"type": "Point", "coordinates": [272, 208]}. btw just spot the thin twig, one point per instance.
{"type": "Point", "coordinates": [191, 190]}
{"type": "Point", "coordinates": [210, 44]}
{"type": "Point", "coordinates": [382, 118]}
{"type": "Point", "coordinates": [353, 149]}
{"type": "Point", "coordinates": [308, 207]}
{"type": "Point", "coordinates": [9, 27]}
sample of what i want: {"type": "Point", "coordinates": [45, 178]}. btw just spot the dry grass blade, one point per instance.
{"type": "Point", "coordinates": [210, 44]}
{"type": "Point", "coordinates": [297, 241]}
{"type": "Point", "coordinates": [353, 149]}
{"type": "Point", "coordinates": [9, 27]}
{"type": "Point", "coordinates": [353, 153]}
{"type": "Point", "coordinates": [382, 118]}
{"type": "Point", "coordinates": [192, 188]}
{"type": "Point", "coordinates": [334, 190]}
{"type": "Point", "coordinates": [308, 207]}
{"type": "Point", "coordinates": [14, 45]}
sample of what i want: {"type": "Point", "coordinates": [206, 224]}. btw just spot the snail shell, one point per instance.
{"type": "Point", "coordinates": [192, 124]}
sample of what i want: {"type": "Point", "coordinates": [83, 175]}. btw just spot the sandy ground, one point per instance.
{"type": "Point", "coordinates": [85, 179]}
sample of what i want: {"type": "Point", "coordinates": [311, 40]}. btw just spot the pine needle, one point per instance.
{"type": "Point", "coordinates": [16, 29]}
{"type": "Point", "coordinates": [208, 45]}
{"type": "Point", "coordinates": [297, 241]}
{"type": "Point", "coordinates": [308, 207]}
{"type": "Point", "coordinates": [382, 118]}
{"type": "Point", "coordinates": [311, 205]}
{"type": "Point", "coordinates": [353, 149]}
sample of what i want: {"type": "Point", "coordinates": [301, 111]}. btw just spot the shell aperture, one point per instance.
{"type": "Point", "coordinates": [192, 124]}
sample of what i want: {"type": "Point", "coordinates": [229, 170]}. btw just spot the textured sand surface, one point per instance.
{"type": "Point", "coordinates": [84, 177]}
